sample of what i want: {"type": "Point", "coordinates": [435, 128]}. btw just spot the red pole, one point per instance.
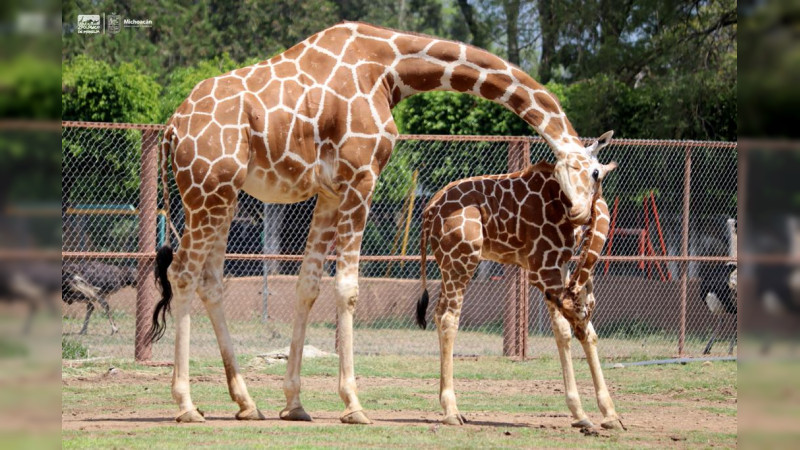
{"type": "Point", "coordinates": [145, 282]}
{"type": "Point", "coordinates": [658, 227]}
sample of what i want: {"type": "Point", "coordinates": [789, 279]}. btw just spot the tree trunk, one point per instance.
{"type": "Point", "coordinates": [478, 35]}
{"type": "Point", "coordinates": [512, 31]}
{"type": "Point", "coordinates": [547, 22]}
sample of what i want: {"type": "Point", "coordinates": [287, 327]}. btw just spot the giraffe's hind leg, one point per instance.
{"type": "Point", "coordinates": [458, 255]}
{"type": "Point", "coordinates": [210, 289]}
{"type": "Point", "coordinates": [209, 192]}
{"type": "Point", "coordinates": [447, 315]}
{"type": "Point", "coordinates": [321, 234]}
{"type": "Point", "coordinates": [184, 274]}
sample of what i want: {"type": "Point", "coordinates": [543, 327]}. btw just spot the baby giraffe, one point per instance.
{"type": "Point", "coordinates": [520, 218]}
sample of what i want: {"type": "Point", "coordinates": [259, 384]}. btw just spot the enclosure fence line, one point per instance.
{"type": "Point", "coordinates": [516, 317]}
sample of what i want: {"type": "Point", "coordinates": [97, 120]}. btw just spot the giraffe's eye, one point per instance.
{"type": "Point", "coordinates": [595, 174]}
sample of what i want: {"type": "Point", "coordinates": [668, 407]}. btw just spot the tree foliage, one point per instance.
{"type": "Point", "coordinates": [96, 91]}
{"type": "Point", "coordinates": [646, 68]}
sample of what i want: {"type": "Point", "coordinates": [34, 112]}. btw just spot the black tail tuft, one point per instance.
{"type": "Point", "coordinates": [422, 308]}
{"type": "Point", "coordinates": [163, 260]}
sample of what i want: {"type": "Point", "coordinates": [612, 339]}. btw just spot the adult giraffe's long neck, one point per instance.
{"type": "Point", "coordinates": [423, 63]}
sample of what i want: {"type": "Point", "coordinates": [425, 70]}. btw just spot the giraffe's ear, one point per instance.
{"type": "Point", "coordinates": [608, 168]}
{"type": "Point", "coordinates": [601, 142]}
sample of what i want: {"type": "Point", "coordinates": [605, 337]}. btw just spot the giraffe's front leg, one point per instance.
{"type": "Point", "coordinates": [320, 235]}
{"type": "Point", "coordinates": [589, 342]}
{"type": "Point", "coordinates": [353, 211]}
{"type": "Point", "coordinates": [563, 334]}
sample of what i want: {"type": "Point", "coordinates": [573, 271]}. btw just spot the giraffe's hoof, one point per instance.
{"type": "Point", "coordinates": [583, 423]}
{"type": "Point", "coordinates": [297, 414]}
{"type": "Point", "coordinates": [613, 424]}
{"type": "Point", "coordinates": [454, 419]}
{"type": "Point", "coordinates": [356, 417]}
{"type": "Point", "coordinates": [250, 414]}
{"type": "Point", "coordinates": [193, 416]}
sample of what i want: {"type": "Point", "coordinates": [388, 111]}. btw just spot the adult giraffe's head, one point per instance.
{"type": "Point", "coordinates": [579, 173]}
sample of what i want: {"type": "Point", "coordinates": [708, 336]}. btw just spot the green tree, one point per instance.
{"type": "Point", "coordinates": [95, 91]}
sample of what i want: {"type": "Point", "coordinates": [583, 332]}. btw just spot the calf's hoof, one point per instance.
{"type": "Point", "coordinates": [297, 414]}
{"type": "Point", "coordinates": [613, 424]}
{"type": "Point", "coordinates": [250, 414]}
{"type": "Point", "coordinates": [355, 417]}
{"type": "Point", "coordinates": [193, 416]}
{"type": "Point", "coordinates": [454, 419]}
{"type": "Point", "coordinates": [583, 423]}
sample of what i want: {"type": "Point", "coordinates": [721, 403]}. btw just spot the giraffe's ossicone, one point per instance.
{"type": "Point", "coordinates": [316, 120]}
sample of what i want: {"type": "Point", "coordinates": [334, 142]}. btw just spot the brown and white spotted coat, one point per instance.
{"type": "Point", "coordinates": [522, 219]}
{"type": "Point", "coordinates": [316, 120]}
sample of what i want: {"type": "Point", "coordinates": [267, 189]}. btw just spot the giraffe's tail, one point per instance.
{"type": "Point", "coordinates": [164, 254]}
{"type": "Point", "coordinates": [422, 303]}
{"type": "Point", "coordinates": [163, 260]}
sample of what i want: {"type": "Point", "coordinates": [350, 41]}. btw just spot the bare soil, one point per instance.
{"type": "Point", "coordinates": [639, 414]}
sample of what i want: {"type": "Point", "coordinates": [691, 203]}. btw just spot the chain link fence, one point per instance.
{"type": "Point", "coordinates": [671, 202]}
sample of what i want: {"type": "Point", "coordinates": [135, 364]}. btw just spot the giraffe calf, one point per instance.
{"type": "Point", "coordinates": [523, 219]}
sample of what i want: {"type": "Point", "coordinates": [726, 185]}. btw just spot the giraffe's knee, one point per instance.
{"type": "Point", "coordinates": [307, 292]}
{"type": "Point", "coordinates": [585, 333]}
{"type": "Point", "coordinates": [448, 322]}
{"type": "Point", "coordinates": [562, 330]}
{"type": "Point", "coordinates": [347, 292]}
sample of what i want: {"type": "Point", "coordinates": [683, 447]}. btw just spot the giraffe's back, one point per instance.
{"type": "Point", "coordinates": [518, 218]}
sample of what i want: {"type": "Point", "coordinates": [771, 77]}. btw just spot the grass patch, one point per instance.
{"type": "Point", "coordinates": [530, 391]}
{"type": "Point", "coordinates": [72, 349]}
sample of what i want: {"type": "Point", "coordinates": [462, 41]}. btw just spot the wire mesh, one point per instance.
{"type": "Point", "coordinates": [646, 307]}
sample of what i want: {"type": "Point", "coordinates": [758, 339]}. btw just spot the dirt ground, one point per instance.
{"type": "Point", "coordinates": [639, 415]}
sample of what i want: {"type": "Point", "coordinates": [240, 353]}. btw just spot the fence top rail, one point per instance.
{"type": "Point", "coordinates": [445, 137]}
{"type": "Point", "coordinates": [111, 125]}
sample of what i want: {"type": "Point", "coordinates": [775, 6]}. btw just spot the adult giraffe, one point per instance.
{"type": "Point", "coordinates": [314, 120]}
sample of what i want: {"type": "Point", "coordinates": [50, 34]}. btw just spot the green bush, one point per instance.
{"type": "Point", "coordinates": [96, 91]}
{"type": "Point", "coordinates": [29, 88]}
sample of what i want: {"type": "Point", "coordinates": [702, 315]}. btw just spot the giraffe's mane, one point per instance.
{"type": "Point", "coordinates": [542, 166]}
{"type": "Point", "coordinates": [393, 30]}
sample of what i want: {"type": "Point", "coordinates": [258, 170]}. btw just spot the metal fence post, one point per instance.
{"type": "Point", "coordinates": [145, 282]}
{"type": "Point", "coordinates": [687, 184]}
{"type": "Point", "coordinates": [515, 312]}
